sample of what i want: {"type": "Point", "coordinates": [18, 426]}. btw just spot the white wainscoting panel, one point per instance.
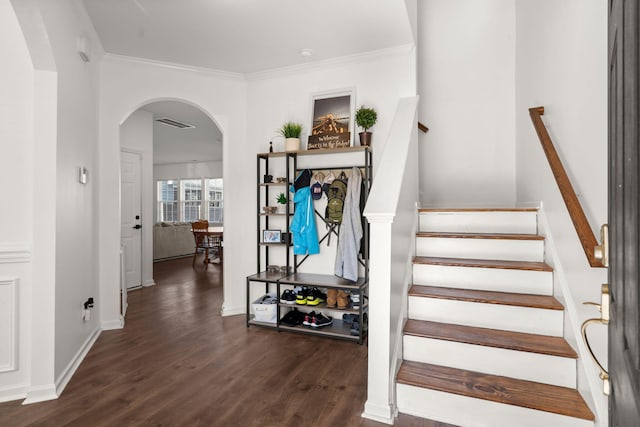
{"type": "Point", "coordinates": [8, 324]}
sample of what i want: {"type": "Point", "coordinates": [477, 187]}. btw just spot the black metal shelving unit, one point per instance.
{"type": "Point", "coordinates": [279, 281]}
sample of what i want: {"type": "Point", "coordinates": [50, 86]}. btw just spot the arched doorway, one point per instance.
{"type": "Point", "coordinates": [170, 174]}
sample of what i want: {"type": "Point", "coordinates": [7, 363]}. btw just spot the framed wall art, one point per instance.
{"type": "Point", "coordinates": [271, 236]}
{"type": "Point", "coordinates": [332, 120]}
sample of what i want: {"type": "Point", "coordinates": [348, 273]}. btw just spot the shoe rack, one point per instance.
{"type": "Point", "coordinates": [277, 282]}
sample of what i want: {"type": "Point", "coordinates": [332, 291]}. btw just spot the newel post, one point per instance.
{"type": "Point", "coordinates": [379, 404]}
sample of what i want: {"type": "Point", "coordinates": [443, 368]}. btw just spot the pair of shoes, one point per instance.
{"type": "Point", "coordinates": [288, 297]}
{"type": "Point", "coordinates": [312, 297]}
{"type": "Point", "coordinates": [293, 318]}
{"type": "Point", "coordinates": [315, 296]}
{"type": "Point", "coordinates": [317, 320]}
{"type": "Point", "coordinates": [349, 318]}
{"type": "Point", "coordinates": [343, 299]}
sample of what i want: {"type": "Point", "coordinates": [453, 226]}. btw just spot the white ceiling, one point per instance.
{"type": "Point", "coordinates": [241, 36]}
{"type": "Point", "coordinates": [246, 36]}
{"type": "Point", "coordinates": [171, 145]}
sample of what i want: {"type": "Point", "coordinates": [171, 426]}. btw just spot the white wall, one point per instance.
{"type": "Point", "coordinates": [127, 85]}
{"type": "Point", "coordinates": [59, 130]}
{"type": "Point", "coordinates": [466, 75]}
{"type": "Point", "coordinates": [561, 64]}
{"type": "Point", "coordinates": [76, 204]}
{"type": "Point", "coordinates": [16, 224]}
{"type": "Point", "coordinates": [136, 135]}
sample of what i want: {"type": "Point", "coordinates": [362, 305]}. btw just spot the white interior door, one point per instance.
{"type": "Point", "coordinates": [130, 218]}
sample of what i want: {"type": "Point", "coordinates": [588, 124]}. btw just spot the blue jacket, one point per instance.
{"type": "Point", "coordinates": [303, 224]}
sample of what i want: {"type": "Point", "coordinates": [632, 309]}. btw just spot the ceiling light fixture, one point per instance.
{"type": "Point", "coordinates": [306, 52]}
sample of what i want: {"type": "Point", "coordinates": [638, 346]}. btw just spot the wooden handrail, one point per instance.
{"type": "Point", "coordinates": [423, 128]}
{"type": "Point", "coordinates": [579, 219]}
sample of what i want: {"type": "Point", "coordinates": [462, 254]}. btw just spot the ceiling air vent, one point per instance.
{"type": "Point", "coordinates": [174, 123]}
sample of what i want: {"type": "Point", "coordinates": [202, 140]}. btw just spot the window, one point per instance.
{"type": "Point", "coordinates": [168, 201]}
{"type": "Point", "coordinates": [214, 190]}
{"type": "Point", "coordinates": [190, 199]}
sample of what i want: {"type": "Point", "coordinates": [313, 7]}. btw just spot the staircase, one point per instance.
{"type": "Point", "coordinates": [483, 344]}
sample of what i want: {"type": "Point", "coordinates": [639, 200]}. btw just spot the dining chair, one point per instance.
{"type": "Point", "coordinates": [202, 240]}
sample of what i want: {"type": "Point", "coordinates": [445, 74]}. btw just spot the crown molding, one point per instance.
{"type": "Point", "coordinates": [228, 75]}
{"type": "Point", "coordinates": [332, 62]}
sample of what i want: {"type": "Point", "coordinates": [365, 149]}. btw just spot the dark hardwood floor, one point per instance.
{"type": "Point", "coordinates": [177, 362]}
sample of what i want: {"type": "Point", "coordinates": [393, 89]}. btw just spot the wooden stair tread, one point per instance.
{"type": "Point", "coordinates": [483, 263]}
{"type": "Point", "coordinates": [511, 391]}
{"type": "Point", "coordinates": [478, 210]}
{"type": "Point", "coordinates": [519, 341]}
{"type": "Point", "coordinates": [496, 236]}
{"type": "Point", "coordinates": [487, 297]}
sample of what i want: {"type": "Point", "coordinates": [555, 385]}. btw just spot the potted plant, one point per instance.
{"type": "Point", "coordinates": [291, 132]}
{"type": "Point", "coordinates": [366, 118]}
{"type": "Point", "coordinates": [281, 199]}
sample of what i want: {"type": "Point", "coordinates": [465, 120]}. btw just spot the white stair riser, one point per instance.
{"type": "Point", "coordinates": [495, 316]}
{"type": "Point", "coordinates": [498, 249]}
{"type": "Point", "coordinates": [479, 222]}
{"type": "Point", "coordinates": [489, 279]}
{"type": "Point", "coordinates": [468, 411]}
{"type": "Point", "coordinates": [523, 365]}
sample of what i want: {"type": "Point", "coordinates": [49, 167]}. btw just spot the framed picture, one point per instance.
{"type": "Point", "coordinates": [332, 120]}
{"type": "Point", "coordinates": [271, 236]}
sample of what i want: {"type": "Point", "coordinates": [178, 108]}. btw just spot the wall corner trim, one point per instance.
{"type": "Point", "coordinates": [40, 394]}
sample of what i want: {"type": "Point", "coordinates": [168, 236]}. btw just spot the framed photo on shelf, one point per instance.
{"type": "Point", "coordinates": [332, 120]}
{"type": "Point", "coordinates": [271, 236]}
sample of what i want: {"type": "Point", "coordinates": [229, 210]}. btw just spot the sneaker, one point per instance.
{"type": "Point", "coordinates": [308, 318]}
{"type": "Point", "coordinates": [315, 296]}
{"type": "Point", "coordinates": [349, 318]}
{"type": "Point", "coordinates": [293, 318]}
{"type": "Point", "coordinates": [355, 328]}
{"type": "Point", "coordinates": [355, 300]}
{"type": "Point", "coordinates": [301, 296]}
{"type": "Point", "coordinates": [288, 297]}
{"type": "Point", "coordinates": [320, 320]}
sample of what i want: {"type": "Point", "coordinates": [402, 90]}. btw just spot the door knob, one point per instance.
{"type": "Point", "coordinates": [137, 226]}
{"type": "Point", "coordinates": [604, 320]}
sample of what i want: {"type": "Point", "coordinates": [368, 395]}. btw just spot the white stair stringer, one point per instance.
{"type": "Point", "coordinates": [494, 316]}
{"type": "Point", "coordinates": [487, 279]}
{"type": "Point", "coordinates": [467, 411]}
{"type": "Point", "coordinates": [542, 368]}
{"type": "Point", "coordinates": [480, 248]}
{"type": "Point", "coordinates": [465, 221]}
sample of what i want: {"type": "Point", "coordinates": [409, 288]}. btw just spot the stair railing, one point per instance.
{"type": "Point", "coordinates": [578, 217]}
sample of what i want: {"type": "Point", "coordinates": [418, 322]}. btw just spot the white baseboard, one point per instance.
{"type": "Point", "coordinates": [13, 393]}
{"type": "Point", "coordinates": [232, 311]}
{"type": "Point", "coordinates": [148, 283]}
{"type": "Point", "coordinates": [380, 413]}
{"type": "Point", "coordinates": [109, 325]}
{"type": "Point", "coordinates": [40, 394]}
{"type": "Point", "coordinates": [71, 368]}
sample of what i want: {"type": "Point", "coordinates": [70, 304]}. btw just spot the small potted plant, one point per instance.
{"type": "Point", "coordinates": [291, 132]}
{"type": "Point", "coordinates": [281, 199]}
{"type": "Point", "coordinates": [366, 118]}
